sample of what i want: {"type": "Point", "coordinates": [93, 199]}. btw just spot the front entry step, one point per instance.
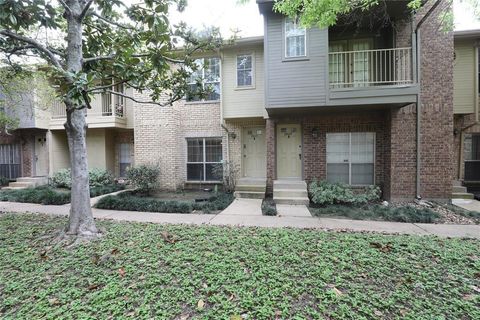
{"type": "Point", "coordinates": [290, 192]}
{"type": "Point", "coordinates": [27, 182]}
{"type": "Point", "coordinates": [460, 192]}
{"type": "Point", "coordinates": [251, 188]}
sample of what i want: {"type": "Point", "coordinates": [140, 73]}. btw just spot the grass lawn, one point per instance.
{"type": "Point", "coordinates": [147, 271]}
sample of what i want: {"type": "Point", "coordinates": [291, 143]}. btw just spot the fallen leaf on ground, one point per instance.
{"type": "Point", "coordinates": [121, 272]}
{"type": "Point", "coordinates": [200, 304]}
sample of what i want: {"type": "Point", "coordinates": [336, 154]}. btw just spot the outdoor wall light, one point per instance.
{"type": "Point", "coordinates": [233, 135]}
{"type": "Point", "coordinates": [315, 132]}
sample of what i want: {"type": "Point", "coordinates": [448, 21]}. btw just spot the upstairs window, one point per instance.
{"type": "Point", "coordinates": [245, 70]}
{"type": "Point", "coordinates": [295, 39]}
{"type": "Point", "coordinates": [207, 76]}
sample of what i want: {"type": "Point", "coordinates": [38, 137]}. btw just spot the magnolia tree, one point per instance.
{"type": "Point", "coordinates": [100, 44]}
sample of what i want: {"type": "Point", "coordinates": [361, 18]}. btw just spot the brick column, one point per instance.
{"type": "Point", "coordinates": [271, 154]}
{"type": "Point", "coordinates": [400, 158]}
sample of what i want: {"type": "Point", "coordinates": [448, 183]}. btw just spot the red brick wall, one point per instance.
{"type": "Point", "coordinates": [271, 154]}
{"type": "Point", "coordinates": [437, 118]}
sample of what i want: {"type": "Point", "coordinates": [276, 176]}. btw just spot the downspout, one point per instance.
{"type": "Point", "coordinates": [419, 95]}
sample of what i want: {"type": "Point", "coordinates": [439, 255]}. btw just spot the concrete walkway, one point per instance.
{"type": "Point", "coordinates": [471, 205]}
{"type": "Point", "coordinates": [233, 216]}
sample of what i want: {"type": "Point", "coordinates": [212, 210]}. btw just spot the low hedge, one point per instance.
{"type": "Point", "coordinates": [377, 212]}
{"type": "Point", "coordinates": [41, 195]}
{"type": "Point", "coordinates": [47, 195]}
{"type": "Point", "coordinates": [132, 202]}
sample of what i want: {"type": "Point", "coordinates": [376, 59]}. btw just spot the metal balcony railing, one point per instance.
{"type": "Point", "coordinates": [366, 68]}
{"type": "Point", "coordinates": [105, 105]}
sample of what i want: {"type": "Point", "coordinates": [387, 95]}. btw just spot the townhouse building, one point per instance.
{"type": "Point", "coordinates": [365, 103]}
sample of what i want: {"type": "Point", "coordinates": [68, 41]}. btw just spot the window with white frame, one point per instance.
{"type": "Point", "coordinates": [203, 155]}
{"type": "Point", "coordinates": [245, 70]}
{"type": "Point", "coordinates": [206, 78]}
{"type": "Point", "coordinates": [124, 158]}
{"type": "Point", "coordinates": [351, 158]}
{"type": "Point", "coordinates": [295, 39]}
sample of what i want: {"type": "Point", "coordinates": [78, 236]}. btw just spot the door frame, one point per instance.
{"type": "Point", "coordinates": [242, 143]}
{"type": "Point", "coordinates": [302, 169]}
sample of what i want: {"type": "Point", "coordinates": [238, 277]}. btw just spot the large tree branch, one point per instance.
{"type": "Point", "coordinates": [66, 7]}
{"type": "Point", "coordinates": [40, 47]}
{"type": "Point", "coordinates": [106, 20]}
{"type": "Point", "coordinates": [85, 10]}
{"type": "Point", "coordinates": [110, 85]}
{"type": "Point", "coordinates": [169, 102]}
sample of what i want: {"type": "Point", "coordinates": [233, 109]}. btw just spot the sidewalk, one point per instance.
{"type": "Point", "coordinates": [253, 219]}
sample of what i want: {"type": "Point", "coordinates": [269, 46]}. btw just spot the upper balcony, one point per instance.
{"type": "Point", "coordinates": [108, 111]}
{"type": "Point", "coordinates": [370, 76]}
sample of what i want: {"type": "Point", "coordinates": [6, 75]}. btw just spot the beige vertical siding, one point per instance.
{"type": "Point", "coordinates": [464, 77]}
{"type": "Point", "coordinates": [100, 149]}
{"type": "Point", "coordinates": [238, 102]}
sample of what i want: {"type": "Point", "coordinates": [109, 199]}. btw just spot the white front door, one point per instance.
{"type": "Point", "coordinates": [289, 151]}
{"type": "Point", "coordinates": [254, 152]}
{"type": "Point", "coordinates": [41, 156]}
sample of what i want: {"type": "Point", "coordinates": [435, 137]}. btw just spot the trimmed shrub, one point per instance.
{"type": "Point", "coordinates": [144, 177]}
{"type": "Point", "coordinates": [96, 177]}
{"type": "Point", "coordinates": [325, 193]}
{"type": "Point", "coordinates": [100, 178]}
{"type": "Point", "coordinates": [269, 207]}
{"type": "Point", "coordinates": [4, 181]}
{"type": "Point", "coordinates": [62, 179]}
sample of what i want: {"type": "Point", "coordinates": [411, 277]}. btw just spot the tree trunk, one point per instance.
{"type": "Point", "coordinates": [81, 221]}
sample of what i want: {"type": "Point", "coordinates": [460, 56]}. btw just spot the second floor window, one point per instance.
{"type": "Point", "coordinates": [207, 75]}
{"type": "Point", "coordinates": [295, 39]}
{"type": "Point", "coordinates": [244, 70]}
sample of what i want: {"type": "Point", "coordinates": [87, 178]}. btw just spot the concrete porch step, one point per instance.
{"type": "Point", "coordinates": [293, 192]}
{"type": "Point", "coordinates": [38, 181]}
{"type": "Point", "coordinates": [251, 188]}
{"type": "Point", "coordinates": [289, 185]}
{"type": "Point", "coordinates": [249, 194]}
{"type": "Point", "coordinates": [21, 184]}
{"type": "Point", "coordinates": [291, 200]}
{"type": "Point", "coordinates": [462, 195]}
{"type": "Point", "coordinates": [296, 193]}
{"type": "Point", "coordinates": [459, 189]}
{"type": "Point", "coordinates": [256, 188]}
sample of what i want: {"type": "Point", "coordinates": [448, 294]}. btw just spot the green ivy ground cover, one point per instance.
{"type": "Point", "coordinates": [148, 271]}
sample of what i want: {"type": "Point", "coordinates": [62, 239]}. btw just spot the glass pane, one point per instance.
{"type": "Point", "coordinates": [123, 169]}
{"type": "Point", "coordinates": [213, 149]}
{"type": "Point", "coordinates": [467, 147]}
{"type": "Point", "coordinates": [192, 94]}
{"type": "Point", "coordinates": [195, 172]}
{"type": "Point", "coordinates": [125, 153]}
{"type": "Point", "coordinates": [475, 147]}
{"type": "Point", "coordinates": [244, 62]}
{"type": "Point", "coordinates": [210, 173]}
{"type": "Point", "coordinates": [214, 91]}
{"type": "Point", "coordinates": [362, 173]}
{"type": "Point", "coordinates": [244, 78]}
{"type": "Point", "coordinates": [195, 150]}
{"type": "Point", "coordinates": [363, 147]}
{"type": "Point", "coordinates": [337, 173]}
{"type": "Point", "coordinates": [295, 46]}
{"type": "Point", "coordinates": [337, 147]}
{"type": "Point", "coordinates": [212, 70]}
